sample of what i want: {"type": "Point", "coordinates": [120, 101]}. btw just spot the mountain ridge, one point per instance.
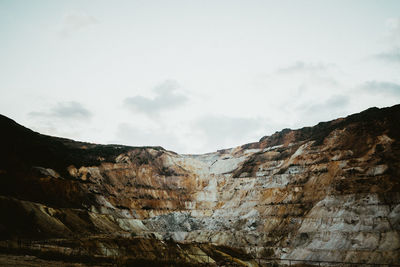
{"type": "Point", "coordinates": [330, 192]}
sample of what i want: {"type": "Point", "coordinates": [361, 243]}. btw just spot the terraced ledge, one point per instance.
{"type": "Point", "coordinates": [325, 193]}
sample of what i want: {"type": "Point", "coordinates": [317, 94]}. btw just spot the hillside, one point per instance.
{"type": "Point", "coordinates": [330, 192]}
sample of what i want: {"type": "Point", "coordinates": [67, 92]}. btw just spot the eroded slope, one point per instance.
{"type": "Point", "coordinates": [328, 192]}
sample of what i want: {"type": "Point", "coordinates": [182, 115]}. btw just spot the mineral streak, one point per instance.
{"type": "Point", "coordinates": [329, 192]}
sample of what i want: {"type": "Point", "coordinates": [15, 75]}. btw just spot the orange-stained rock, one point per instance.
{"type": "Point", "coordinates": [328, 192]}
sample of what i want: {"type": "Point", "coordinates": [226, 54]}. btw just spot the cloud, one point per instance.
{"type": "Point", "coordinates": [301, 66]}
{"type": "Point", "coordinates": [377, 87]}
{"type": "Point", "coordinates": [333, 103]}
{"type": "Point", "coordinates": [76, 21]}
{"type": "Point", "coordinates": [330, 108]}
{"type": "Point", "coordinates": [128, 134]}
{"type": "Point", "coordinates": [65, 110]}
{"type": "Point", "coordinates": [392, 56]}
{"type": "Point", "coordinates": [167, 98]}
{"type": "Point", "coordinates": [393, 26]}
{"type": "Point", "coordinates": [222, 131]}
{"type": "Point", "coordinates": [393, 40]}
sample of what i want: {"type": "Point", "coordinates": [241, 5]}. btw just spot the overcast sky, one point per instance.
{"type": "Point", "coordinates": [194, 76]}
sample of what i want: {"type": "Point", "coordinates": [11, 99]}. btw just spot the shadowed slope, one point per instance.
{"type": "Point", "coordinates": [328, 192]}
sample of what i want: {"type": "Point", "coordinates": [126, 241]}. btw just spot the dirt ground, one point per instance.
{"type": "Point", "coordinates": [32, 261]}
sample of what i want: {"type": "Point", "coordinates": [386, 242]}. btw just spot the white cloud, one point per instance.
{"type": "Point", "coordinates": [63, 119]}
{"type": "Point", "coordinates": [218, 131]}
{"type": "Point", "coordinates": [393, 25]}
{"type": "Point", "coordinates": [129, 134]}
{"type": "Point", "coordinates": [65, 110]}
{"type": "Point", "coordinates": [301, 66]}
{"type": "Point", "coordinates": [75, 21]}
{"type": "Point", "coordinates": [392, 56]}
{"type": "Point", "coordinates": [330, 105]}
{"type": "Point", "coordinates": [167, 97]}
{"type": "Point", "coordinates": [381, 87]}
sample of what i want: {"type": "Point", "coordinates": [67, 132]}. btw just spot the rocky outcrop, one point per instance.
{"type": "Point", "coordinates": [325, 193]}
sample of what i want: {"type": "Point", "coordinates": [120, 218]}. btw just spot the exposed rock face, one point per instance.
{"type": "Point", "coordinates": [328, 192]}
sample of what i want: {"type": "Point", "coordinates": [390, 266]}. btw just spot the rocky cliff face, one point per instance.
{"type": "Point", "coordinates": [329, 192]}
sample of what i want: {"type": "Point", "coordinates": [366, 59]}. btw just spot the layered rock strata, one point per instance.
{"type": "Point", "coordinates": [325, 193]}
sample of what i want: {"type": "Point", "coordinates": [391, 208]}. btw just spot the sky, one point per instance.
{"type": "Point", "coordinates": [194, 76]}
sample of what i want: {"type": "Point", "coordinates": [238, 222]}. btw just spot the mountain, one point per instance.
{"type": "Point", "coordinates": [330, 192]}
